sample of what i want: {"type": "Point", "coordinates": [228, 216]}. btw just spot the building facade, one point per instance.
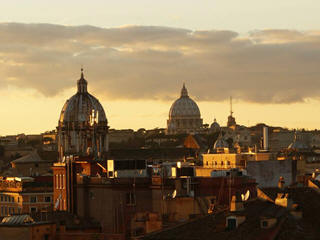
{"type": "Point", "coordinates": [25, 195]}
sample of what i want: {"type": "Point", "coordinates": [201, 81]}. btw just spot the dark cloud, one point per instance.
{"type": "Point", "coordinates": [149, 62]}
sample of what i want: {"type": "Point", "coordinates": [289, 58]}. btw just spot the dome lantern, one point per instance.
{"type": "Point", "coordinates": [82, 83]}
{"type": "Point", "coordinates": [184, 91]}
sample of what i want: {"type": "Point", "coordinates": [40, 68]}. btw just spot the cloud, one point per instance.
{"type": "Point", "coordinates": [151, 62]}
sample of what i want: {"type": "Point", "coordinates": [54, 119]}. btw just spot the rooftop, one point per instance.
{"type": "Point", "coordinates": [17, 220]}
{"type": "Point", "coordinates": [288, 227]}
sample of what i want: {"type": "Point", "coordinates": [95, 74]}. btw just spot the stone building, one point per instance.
{"type": "Point", "coordinates": [25, 195]}
{"type": "Point", "coordinates": [83, 137]}
{"type": "Point", "coordinates": [30, 165]}
{"type": "Point", "coordinates": [83, 126]}
{"type": "Point", "coordinates": [23, 227]}
{"type": "Point", "coordinates": [184, 115]}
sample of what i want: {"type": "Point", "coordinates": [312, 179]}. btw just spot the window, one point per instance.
{"type": "Point", "coordinates": [60, 181]}
{"type": "Point", "coordinates": [228, 163]}
{"type": "Point", "coordinates": [1, 198]}
{"type": "Point", "coordinates": [5, 198]}
{"type": "Point", "coordinates": [265, 223]}
{"type": "Point", "coordinates": [11, 210]}
{"type": "Point", "coordinates": [63, 181]}
{"type": "Point", "coordinates": [33, 209]}
{"type": "Point", "coordinates": [221, 163]}
{"type": "Point", "coordinates": [47, 199]}
{"type": "Point", "coordinates": [130, 198]}
{"type": "Point", "coordinates": [215, 163]}
{"type": "Point", "coordinates": [18, 199]}
{"type": "Point", "coordinates": [5, 211]}
{"type": "Point", "coordinates": [2, 211]}
{"type": "Point", "coordinates": [57, 181]}
{"type": "Point", "coordinates": [33, 199]}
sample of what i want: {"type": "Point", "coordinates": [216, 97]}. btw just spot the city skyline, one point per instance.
{"type": "Point", "coordinates": [126, 120]}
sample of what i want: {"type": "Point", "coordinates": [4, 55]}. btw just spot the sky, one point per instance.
{"type": "Point", "coordinates": [137, 54]}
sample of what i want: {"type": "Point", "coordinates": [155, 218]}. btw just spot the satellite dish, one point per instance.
{"type": "Point", "coordinates": [246, 196]}
{"type": "Point", "coordinates": [174, 194]}
{"type": "Point", "coordinates": [56, 205]}
{"type": "Point", "coordinates": [178, 164]}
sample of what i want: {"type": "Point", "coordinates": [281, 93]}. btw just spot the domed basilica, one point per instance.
{"type": "Point", "coordinates": [184, 115]}
{"type": "Point", "coordinates": [83, 126]}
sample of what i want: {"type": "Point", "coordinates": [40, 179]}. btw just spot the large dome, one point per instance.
{"type": "Point", "coordinates": [184, 106]}
{"type": "Point", "coordinates": [82, 107]}
{"type": "Point", "coordinates": [184, 115]}
{"type": "Point", "coordinates": [83, 126]}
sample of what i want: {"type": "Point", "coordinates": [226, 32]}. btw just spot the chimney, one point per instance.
{"type": "Point", "coordinates": [281, 183]}
{"type": "Point", "coordinates": [265, 138]}
{"type": "Point", "coordinates": [236, 204]}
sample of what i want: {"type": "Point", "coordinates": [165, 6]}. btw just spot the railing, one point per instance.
{"type": "Point", "coordinates": [4, 185]}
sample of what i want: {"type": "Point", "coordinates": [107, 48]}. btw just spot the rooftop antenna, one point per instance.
{"type": "Point", "coordinates": [231, 112]}
{"type": "Point", "coordinates": [81, 71]}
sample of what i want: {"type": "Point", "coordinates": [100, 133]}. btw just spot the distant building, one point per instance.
{"type": "Point", "coordinates": [119, 136]}
{"type": "Point", "coordinates": [23, 227]}
{"type": "Point", "coordinates": [25, 195]}
{"type": "Point", "coordinates": [31, 165]}
{"type": "Point", "coordinates": [223, 161]}
{"type": "Point", "coordinates": [184, 115]}
{"type": "Point", "coordinates": [231, 119]}
{"type": "Point", "coordinates": [214, 127]}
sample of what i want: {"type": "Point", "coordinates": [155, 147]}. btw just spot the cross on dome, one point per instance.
{"type": "Point", "coordinates": [184, 91]}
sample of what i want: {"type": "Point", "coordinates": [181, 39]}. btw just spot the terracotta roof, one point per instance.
{"type": "Point", "coordinates": [17, 220]}
{"type": "Point", "coordinates": [32, 157]}
{"type": "Point", "coordinates": [288, 227]}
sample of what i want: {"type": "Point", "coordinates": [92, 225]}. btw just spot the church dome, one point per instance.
{"type": "Point", "coordinates": [82, 107]}
{"type": "Point", "coordinates": [215, 127]}
{"type": "Point", "coordinates": [184, 107]}
{"type": "Point", "coordinates": [220, 143]}
{"type": "Point", "coordinates": [184, 115]}
{"type": "Point", "coordinates": [298, 143]}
